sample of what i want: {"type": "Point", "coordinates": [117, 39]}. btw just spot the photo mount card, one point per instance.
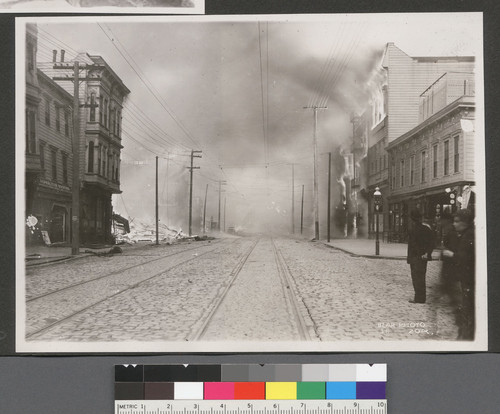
{"type": "Point", "coordinates": [210, 160]}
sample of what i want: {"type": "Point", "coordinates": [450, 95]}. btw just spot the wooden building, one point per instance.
{"type": "Point", "coordinates": [49, 148]}
{"type": "Point", "coordinates": [398, 89]}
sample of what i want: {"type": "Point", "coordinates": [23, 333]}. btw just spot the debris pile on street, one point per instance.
{"type": "Point", "coordinates": [143, 232]}
{"type": "Point", "coordinates": [109, 252]}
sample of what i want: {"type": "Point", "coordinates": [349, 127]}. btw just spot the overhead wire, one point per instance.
{"type": "Point", "coordinates": [49, 41]}
{"type": "Point", "coordinates": [341, 71]}
{"type": "Point", "coordinates": [150, 140]}
{"type": "Point", "coordinates": [43, 33]}
{"type": "Point", "coordinates": [327, 67]}
{"type": "Point", "coordinates": [333, 67]}
{"type": "Point", "coordinates": [153, 90]}
{"type": "Point", "coordinates": [333, 77]}
{"type": "Point", "coordinates": [146, 82]}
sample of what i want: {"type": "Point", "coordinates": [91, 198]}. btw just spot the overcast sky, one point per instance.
{"type": "Point", "coordinates": [235, 88]}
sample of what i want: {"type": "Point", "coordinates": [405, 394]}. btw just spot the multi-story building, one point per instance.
{"type": "Point", "coordinates": [32, 154]}
{"type": "Point", "coordinates": [432, 165]}
{"type": "Point", "coordinates": [101, 96]}
{"type": "Point", "coordinates": [395, 109]}
{"type": "Point", "coordinates": [48, 148]}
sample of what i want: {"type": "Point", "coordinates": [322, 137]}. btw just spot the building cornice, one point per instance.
{"type": "Point", "coordinates": [464, 101]}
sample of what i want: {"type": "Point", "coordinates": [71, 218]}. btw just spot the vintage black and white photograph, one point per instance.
{"type": "Point", "coordinates": [250, 183]}
{"type": "Point", "coordinates": [104, 6]}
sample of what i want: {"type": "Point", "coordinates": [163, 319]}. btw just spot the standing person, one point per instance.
{"type": "Point", "coordinates": [464, 259]}
{"type": "Point", "coordinates": [420, 247]}
{"type": "Point", "coordinates": [449, 282]}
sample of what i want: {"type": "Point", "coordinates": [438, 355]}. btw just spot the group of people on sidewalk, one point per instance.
{"type": "Point", "coordinates": [458, 255]}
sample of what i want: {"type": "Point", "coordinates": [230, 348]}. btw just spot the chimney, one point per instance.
{"type": "Point", "coordinates": [62, 55]}
{"type": "Point", "coordinates": [54, 56]}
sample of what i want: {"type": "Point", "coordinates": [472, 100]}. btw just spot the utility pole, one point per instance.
{"type": "Point", "coordinates": [293, 198]}
{"type": "Point", "coordinates": [156, 194]}
{"type": "Point", "coordinates": [354, 120]}
{"type": "Point", "coordinates": [220, 190]}
{"type": "Point", "coordinates": [205, 209]}
{"type": "Point", "coordinates": [315, 169]}
{"type": "Point", "coordinates": [302, 211]}
{"type": "Point", "coordinates": [329, 195]}
{"type": "Point", "coordinates": [225, 214]}
{"type": "Point", "coordinates": [193, 155]}
{"type": "Point", "coordinates": [75, 186]}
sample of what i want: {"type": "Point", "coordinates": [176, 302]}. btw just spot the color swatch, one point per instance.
{"type": "Point", "coordinates": [251, 382]}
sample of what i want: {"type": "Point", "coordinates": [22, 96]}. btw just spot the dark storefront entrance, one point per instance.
{"type": "Point", "coordinates": [58, 225]}
{"type": "Point", "coordinates": [95, 216]}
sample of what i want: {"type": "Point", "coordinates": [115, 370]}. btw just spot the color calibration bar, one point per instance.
{"type": "Point", "coordinates": [250, 382]}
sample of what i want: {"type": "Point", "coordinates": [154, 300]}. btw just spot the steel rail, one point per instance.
{"type": "Point", "coordinates": [198, 332]}
{"type": "Point", "coordinates": [307, 331]}
{"type": "Point", "coordinates": [134, 286]}
{"type": "Point", "coordinates": [114, 273]}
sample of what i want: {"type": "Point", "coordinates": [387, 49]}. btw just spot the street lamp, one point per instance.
{"type": "Point", "coordinates": [377, 199]}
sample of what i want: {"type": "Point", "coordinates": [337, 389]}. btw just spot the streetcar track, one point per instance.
{"type": "Point", "coordinates": [134, 286]}
{"type": "Point", "coordinates": [198, 332]}
{"type": "Point", "coordinates": [290, 289]}
{"type": "Point", "coordinates": [114, 273]}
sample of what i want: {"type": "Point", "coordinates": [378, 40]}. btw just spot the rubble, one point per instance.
{"type": "Point", "coordinates": [143, 232]}
{"type": "Point", "coordinates": [114, 250]}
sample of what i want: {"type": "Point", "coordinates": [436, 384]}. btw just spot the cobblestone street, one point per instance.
{"type": "Point", "coordinates": [360, 298]}
{"type": "Point", "coordinates": [232, 289]}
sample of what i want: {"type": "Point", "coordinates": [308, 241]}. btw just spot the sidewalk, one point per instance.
{"type": "Point", "coordinates": [358, 247]}
{"type": "Point", "coordinates": [366, 248]}
{"type": "Point", "coordinates": [35, 255]}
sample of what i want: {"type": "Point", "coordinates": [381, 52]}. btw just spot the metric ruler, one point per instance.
{"type": "Point", "coordinates": [251, 407]}
{"type": "Point", "coordinates": [251, 389]}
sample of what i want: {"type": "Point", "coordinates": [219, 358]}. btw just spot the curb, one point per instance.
{"type": "Point", "coordinates": [367, 256]}
{"type": "Point", "coordinates": [45, 261]}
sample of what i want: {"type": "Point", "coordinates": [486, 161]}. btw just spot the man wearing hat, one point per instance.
{"type": "Point", "coordinates": [420, 247]}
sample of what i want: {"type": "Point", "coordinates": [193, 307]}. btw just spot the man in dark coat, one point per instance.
{"type": "Point", "coordinates": [464, 258]}
{"type": "Point", "coordinates": [450, 285]}
{"type": "Point", "coordinates": [420, 247]}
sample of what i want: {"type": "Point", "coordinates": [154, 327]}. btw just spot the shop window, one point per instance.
{"type": "Point", "coordinates": [99, 213]}
{"type": "Point", "coordinates": [456, 154]}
